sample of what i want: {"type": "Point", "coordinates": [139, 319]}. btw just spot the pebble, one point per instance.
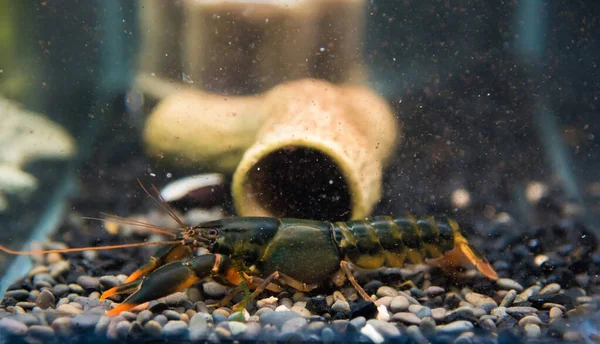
{"type": "Point", "coordinates": [386, 291]}
{"type": "Point", "coordinates": [102, 326]}
{"type": "Point", "coordinates": [223, 334]}
{"type": "Point", "coordinates": [532, 331]}
{"type": "Point", "coordinates": [26, 305]}
{"type": "Point", "coordinates": [353, 325]}
{"type": "Point", "coordinates": [293, 325]}
{"type": "Point", "coordinates": [59, 268]}
{"type": "Point", "coordinates": [12, 327]}
{"type": "Point", "coordinates": [60, 289]}
{"type": "Point", "coordinates": [76, 288]}
{"type": "Point", "coordinates": [530, 319]}
{"type": "Point", "coordinates": [88, 283]}
{"type": "Point", "coordinates": [108, 282]}
{"type": "Point", "coordinates": [509, 298]}
{"type": "Point", "coordinates": [382, 313]}
{"type": "Point", "coordinates": [438, 314]}
{"type": "Point", "coordinates": [508, 284]}
{"type": "Point", "coordinates": [237, 328]}
{"type": "Point", "coordinates": [68, 309]}
{"type": "Point", "coordinates": [479, 300]}
{"type": "Point", "coordinates": [424, 312]}
{"type": "Point", "coordinates": [45, 299]}
{"type": "Point", "coordinates": [198, 326]}
{"type": "Point", "coordinates": [407, 317]}
{"type": "Point", "coordinates": [214, 290]}
{"type": "Point", "coordinates": [414, 308]}
{"type": "Point", "coordinates": [399, 304]}
{"type": "Point", "coordinates": [19, 294]}
{"type": "Point", "coordinates": [415, 334]}
{"type": "Point", "coordinates": [277, 318]}
{"type": "Point", "coordinates": [427, 327]}
{"type": "Point", "coordinates": [175, 329]}
{"type": "Point", "coordinates": [455, 327]}
{"type": "Point", "coordinates": [43, 332]}
{"type": "Point", "coordinates": [551, 288]}
{"type": "Point", "coordinates": [85, 322]}
{"type": "Point", "coordinates": [25, 318]}
{"type": "Point", "coordinates": [368, 330]}
{"type": "Point", "coordinates": [529, 292]}
{"type": "Point", "coordinates": [555, 312]}
{"type": "Point", "coordinates": [342, 306]}
{"type": "Point", "coordinates": [172, 315]}
{"type": "Point", "coordinates": [521, 310]}
{"type": "Point", "coordinates": [384, 301]}
{"type": "Point", "coordinates": [62, 326]}
{"type": "Point", "coordinates": [122, 329]}
{"type": "Point", "coordinates": [384, 328]}
{"type": "Point", "coordinates": [153, 329]}
{"type": "Point", "coordinates": [434, 291]}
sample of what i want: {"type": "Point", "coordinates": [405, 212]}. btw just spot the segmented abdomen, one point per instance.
{"type": "Point", "coordinates": [387, 241]}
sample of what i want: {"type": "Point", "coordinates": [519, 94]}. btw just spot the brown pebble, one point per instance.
{"type": "Point", "coordinates": [555, 312]}
{"type": "Point", "coordinates": [45, 299]}
{"type": "Point", "coordinates": [53, 257]}
{"type": "Point", "coordinates": [530, 319]}
{"type": "Point", "coordinates": [223, 311]}
{"type": "Point", "coordinates": [68, 309]}
{"type": "Point", "coordinates": [184, 317]}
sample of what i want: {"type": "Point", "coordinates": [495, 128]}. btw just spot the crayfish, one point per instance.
{"type": "Point", "coordinates": [261, 253]}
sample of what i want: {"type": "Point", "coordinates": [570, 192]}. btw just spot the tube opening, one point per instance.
{"type": "Point", "coordinates": [300, 182]}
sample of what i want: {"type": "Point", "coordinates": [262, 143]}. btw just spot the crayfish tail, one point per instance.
{"type": "Point", "coordinates": [464, 255]}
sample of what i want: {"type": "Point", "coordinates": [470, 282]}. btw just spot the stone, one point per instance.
{"type": "Point", "coordinates": [555, 312]}
{"type": "Point", "coordinates": [551, 288]}
{"type": "Point", "coordinates": [62, 326]}
{"type": "Point", "coordinates": [455, 327]}
{"type": "Point", "coordinates": [107, 282]}
{"type": "Point", "coordinates": [12, 327]}
{"type": "Point", "coordinates": [368, 330]}
{"type": "Point", "coordinates": [399, 304]}
{"type": "Point", "coordinates": [482, 301]}
{"type": "Point", "coordinates": [43, 332]}
{"type": "Point", "coordinates": [509, 284]}
{"type": "Point", "coordinates": [509, 298]}
{"type": "Point", "coordinates": [530, 319]}
{"type": "Point", "coordinates": [175, 329]}
{"type": "Point", "coordinates": [153, 329]}
{"type": "Point", "coordinates": [45, 299]}
{"type": "Point", "coordinates": [386, 291]}
{"type": "Point", "coordinates": [18, 294]}
{"type": "Point", "coordinates": [532, 331]}
{"type": "Point", "coordinates": [293, 325]}
{"type": "Point", "coordinates": [384, 328]}
{"type": "Point", "coordinates": [68, 309]}
{"type": "Point", "coordinates": [407, 318]}
{"type": "Point", "coordinates": [434, 291]}
{"type": "Point", "coordinates": [520, 311]}
{"type": "Point", "coordinates": [277, 318]}
{"type": "Point", "coordinates": [341, 306]}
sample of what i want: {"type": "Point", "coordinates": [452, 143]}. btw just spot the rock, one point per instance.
{"type": "Point", "coordinates": [88, 283]}
{"type": "Point", "coordinates": [424, 312]}
{"type": "Point", "coordinates": [102, 326]}
{"type": "Point", "coordinates": [26, 305]}
{"type": "Point", "coordinates": [19, 294]}
{"type": "Point", "coordinates": [508, 284]}
{"type": "Point", "coordinates": [293, 325]}
{"type": "Point", "coordinates": [214, 290]}
{"type": "Point", "coordinates": [532, 331]}
{"type": "Point", "coordinates": [237, 328]}
{"type": "Point", "coordinates": [481, 301]}
{"type": "Point", "coordinates": [12, 327]}
{"type": "Point", "coordinates": [123, 329]}
{"type": "Point", "coordinates": [434, 291]}
{"type": "Point", "coordinates": [59, 268]}
{"type": "Point", "coordinates": [76, 288]}
{"type": "Point", "coordinates": [68, 309]}
{"type": "Point", "coordinates": [386, 291]}
{"type": "Point", "coordinates": [455, 327]}
{"type": "Point", "coordinates": [60, 289]}
{"type": "Point", "coordinates": [382, 313]}
{"type": "Point", "coordinates": [341, 306]}
{"type": "Point", "coordinates": [520, 311]}
{"type": "Point", "coordinates": [384, 301]}
{"type": "Point", "coordinates": [175, 329]}
{"type": "Point", "coordinates": [355, 324]}
{"type": "Point", "coordinates": [407, 318]}
{"type": "Point", "coordinates": [153, 329]}
{"type": "Point", "coordinates": [171, 314]}
{"type": "Point", "coordinates": [530, 319]}
{"type": "Point", "coordinates": [416, 335]}
{"type": "Point", "coordinates": [368, 330]}
{"type": "Point", "coordinates": [529, 292]}
{"type": "Point", "coordinates": [509, 298]}
{"type": "Point", "coordinates": [108, 282]}
{"type": "Point", "coordinates": [414, 308]}
{"type": "Point", "coordinates": [384, 328]}
{"type": "Point", "coordinates": [277, 318]}
{"type": "Point", "coordinates": [551, 288]}
{"type": "Point", "coordinates": [555, 312]}
{"type": "Point", "coordinates": [62, 326]}
{"type": "Point", "coordinates": [85, 322]}
{"type": "Point", "coordinates": [42, 332]}
{"type": "Point", "coordinates": [45, 299]}
{"type": "Point", "coordinates": [198, 326]}
{"type": "Point", "coordinates": [25, 318]}
{"type": "Point", "coordinates": [317, 304]}
{"type": "Point", "coordinates": [399, 304]}
{"type": "Point", "coordinates": [427, 327]}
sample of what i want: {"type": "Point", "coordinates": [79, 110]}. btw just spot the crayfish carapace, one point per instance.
{"type": "Point", "coordinates": [261, 253]}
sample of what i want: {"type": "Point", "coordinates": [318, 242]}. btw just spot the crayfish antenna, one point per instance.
{"type": "Point", "coordinates": [89, 248]}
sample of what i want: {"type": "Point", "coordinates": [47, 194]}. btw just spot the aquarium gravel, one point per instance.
{"type": "Point", "coordinates": [548, 279]}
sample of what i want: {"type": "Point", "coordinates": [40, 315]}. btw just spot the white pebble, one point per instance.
{"type": "Point", "coordinates": [369, 331]}
{"type": "Point", "coordinates": [382, 313]}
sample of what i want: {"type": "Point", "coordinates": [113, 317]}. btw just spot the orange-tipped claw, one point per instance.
{"type": "Point", "coordinates": [141, 272]}
{"type": "Point", "coordinates": [121, 308]}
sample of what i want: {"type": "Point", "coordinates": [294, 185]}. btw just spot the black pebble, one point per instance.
{"type": "Point", "coordinates": [363, 308]}
{"type": "Point", "coordinates": [562, 276]}
{"type": "Point", "coordinates": [371, 287]}
{"type": "Point", "coordinates": [8, 301]}
{"type": "Point", "coordinates": [159, 307]}
{"type": "Point", "coordinates": [317, 305]}
{"type": "Point", "coordinates": [560, 298]}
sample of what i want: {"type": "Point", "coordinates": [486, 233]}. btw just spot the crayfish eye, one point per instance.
{"type": "Point", "coordinates": [212, 233]}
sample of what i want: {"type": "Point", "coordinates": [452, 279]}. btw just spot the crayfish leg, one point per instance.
{"type": "Point", "coordinates": [346, 268]}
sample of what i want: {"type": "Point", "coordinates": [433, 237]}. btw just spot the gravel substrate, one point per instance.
{"type": "Point", "coordinates": [543, 287]}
